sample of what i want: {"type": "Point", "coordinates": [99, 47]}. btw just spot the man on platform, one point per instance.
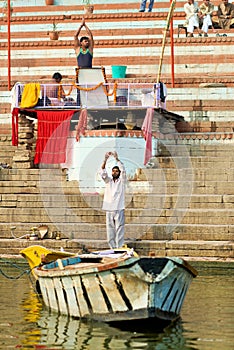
{"type": "Point", "coordinates": [114, 201]}
{"type": "Point", "coordinates": [84, 47]}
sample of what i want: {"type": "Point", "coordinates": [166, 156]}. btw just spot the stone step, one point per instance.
{"type": "Point", "coordinates": [48, 187]}
{"type": "Point", "coordinates": [116, 27]}
{"type": "Point", "coordinates": [96, 215]}
{"type": "Point", "coordinates": [221, 249]}
{"type": "Point", "coordinates": [164, 166]}
{"type": "Point", "coordinates": [160, 188]}
{"type": "Point", "coordinates": [198, 249]}
{"type": "Point", "coordinates": [214, 202]}
{"type": "Point", "coordinates": [13, 246]}
{"type": "Point", "coordinates": [134, 231]}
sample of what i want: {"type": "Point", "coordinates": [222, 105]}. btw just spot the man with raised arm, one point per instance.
{"type": "Point", "coordinates": [114, 201]}
{"type": "Point", "coordinates": [84, 47]}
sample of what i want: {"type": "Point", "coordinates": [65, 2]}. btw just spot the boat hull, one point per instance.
{"type": "Point", "coordinates": [135, 289]}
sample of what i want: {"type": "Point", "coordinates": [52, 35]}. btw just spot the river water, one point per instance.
{"type": "Point", "coordinates": [207, 318]}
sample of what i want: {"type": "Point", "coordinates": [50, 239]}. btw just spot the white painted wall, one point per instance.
{"type": "Point", "coordinates": [85, 158]}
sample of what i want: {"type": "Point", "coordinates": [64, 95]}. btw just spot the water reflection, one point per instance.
{"type": "Point", "coordinates": [60, 332]}
{"type": "Point", "coordinates": [70, 334]}
{"type": "Point", "coordinates": [206, 321]}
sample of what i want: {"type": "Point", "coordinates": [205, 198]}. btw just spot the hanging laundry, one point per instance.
{"type": "Point", "coordinates": [30, 95]}
{"type": "Point", "coordinates": [82, 124]}
{"type": "Point", "coordinates": [53, 131]}
{"type": "Point", "coordinates": [147, 130]}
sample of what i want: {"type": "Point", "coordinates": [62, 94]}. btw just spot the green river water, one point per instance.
{"type": "Point", "coordinates": [207, 318]}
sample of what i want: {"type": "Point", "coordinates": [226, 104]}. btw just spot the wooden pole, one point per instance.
{"type": "Point", "coordinates": [169, 16]}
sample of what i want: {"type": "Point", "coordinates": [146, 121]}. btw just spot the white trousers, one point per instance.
{"type": "Point", "coordinates": [192, 22]}
{"type": "Point", "coordinates": [115, 228]}
{"type": "Point", "coordinates": [206, 23]}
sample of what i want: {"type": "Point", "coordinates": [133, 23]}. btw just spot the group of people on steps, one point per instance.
{"type": "Point", "coordinates": [204, 17]}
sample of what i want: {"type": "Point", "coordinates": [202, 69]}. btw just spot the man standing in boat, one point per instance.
{"type": "Point", "coordinates": [84, 47]}
{"type": "Point", "coordinates": [114, 201]}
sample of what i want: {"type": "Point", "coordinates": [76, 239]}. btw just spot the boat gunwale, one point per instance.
{"type": "Point", "coordinates": [99, 267]}
{"type": "Point", "coordinates": [77, 269]}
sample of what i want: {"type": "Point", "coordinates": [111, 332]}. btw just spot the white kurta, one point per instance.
{"type": "Point", "coordinates": [114, 196]}
{"type": "Point", "coordinates": [114, 204]}
{"type": "Point", "coordinates": [191, 11]}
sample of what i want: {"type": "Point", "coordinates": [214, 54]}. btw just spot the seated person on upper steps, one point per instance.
{"type": "Point", "coordinates": [225, 14]}
{"type": "Point", "coordinates": [191, 10]}
{"type": "Point", "coordinates": [143, 5]}
{"type": "Point", "coordinates": [52, 95]}
{"type": "Point", "coordinates": [206, 10]}
{"type": "Point", "coordinates": [55, 92]}
{"type": "Point", "coordinates": [84, 47]}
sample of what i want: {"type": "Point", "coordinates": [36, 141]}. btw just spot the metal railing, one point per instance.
{"type": "Point", "coordinates": [90, 96]}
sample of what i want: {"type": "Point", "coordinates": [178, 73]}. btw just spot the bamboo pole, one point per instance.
{"type": "Point", "coordinates": [172, 52]}
{"type": "Point", "coordinates": [169, 16]}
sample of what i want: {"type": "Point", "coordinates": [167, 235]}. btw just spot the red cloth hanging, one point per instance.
{"type": "Point", "coordinates": [147, 129]}
{"type": "Point", "coordinates": [14, 126]}
{"type": "Point", "coordinates": [82, 124]}
{"type": "Point", "coordinates": [53, 130]}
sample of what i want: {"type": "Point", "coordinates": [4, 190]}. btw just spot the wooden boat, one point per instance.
{"type": "Point", "coordinates": [112, 286]}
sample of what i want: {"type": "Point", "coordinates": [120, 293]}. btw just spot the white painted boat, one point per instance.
{"type": "Point", "coordinates": [114, 286]}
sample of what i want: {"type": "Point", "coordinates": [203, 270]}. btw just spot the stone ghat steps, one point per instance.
{"type": "Point", "coordinates": [222, 250]}
{"type": "Point", "coordinates": [214, 249]}
{"type": "Point", "coordinates": [209, 126]}
{"type": "Point", "coordinates": [174, 102]}
{"type": "Point", "coordinates": [161, 213]}
{"type": "Point", "coordinates": [149, 24]}
{"type": "Point", "coordinates": [66, 20]}
{"type": "Point", "coordinates": [160, 201]}
{"type": "Point", "coordinates": [142, 216]}
{"type": "Point", "coordinates": [113, 33]}
{"type": "Point", "coordinates": [6, 149]}
{"type": "Point", "coordinates": [204, 186]}
{"type": "Point", "coordinates": [201, 152]}
{"type": "Point", "coordinates": [156, 204]}
{"type": "Point", "coordinates": [100, 7]}
{"type": "Point", "coordinates": [125, 50]}
{"type": "Point", "coordinates": [205, 107]}
{"type": "Point", "coordinates": [13, 246]}
{"type": "Point", "coordinates": [133, 231]}
{"type": "Point", "coordinates": [176, 210]}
